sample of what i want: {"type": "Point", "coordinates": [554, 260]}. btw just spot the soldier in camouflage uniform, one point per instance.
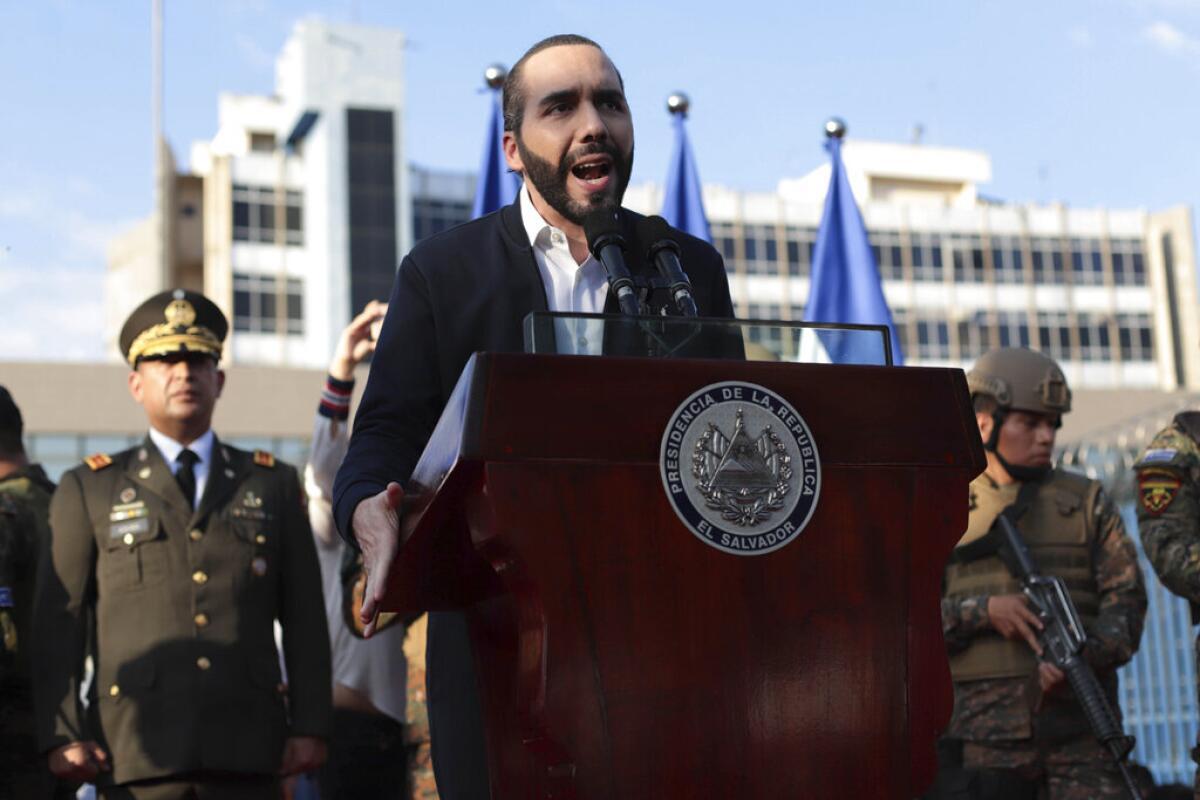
{"type": "Point", "coordinates": [24, 521]}
{"type": "Point", "coordinates": [1169, 513]}
{"type": "Point", "coordinates": [1011, 710]}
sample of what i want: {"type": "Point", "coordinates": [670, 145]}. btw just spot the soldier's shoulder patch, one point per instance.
{"type": "Point", "coordinates": [1157, 489]}
{"type": "Point", "coordinates": [264, 459]}
{"type": "Point", "coordinates": [98, 461]}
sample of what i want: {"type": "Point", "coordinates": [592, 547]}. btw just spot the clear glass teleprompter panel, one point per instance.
{"type": "Point", "coordinates": [702, 337]}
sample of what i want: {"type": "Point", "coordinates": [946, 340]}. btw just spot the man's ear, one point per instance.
{"type": "Point", "coordinates": [512, 153]}
{"type": "Point", "coordinates": [135, 385]}
{"type": "Point", "coordinates": [986, 423]}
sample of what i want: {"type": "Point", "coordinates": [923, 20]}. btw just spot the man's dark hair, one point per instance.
{"type": "Point", "coordinates": [513, 94]}
{"type": "Point", "coordinates": [12, 427]}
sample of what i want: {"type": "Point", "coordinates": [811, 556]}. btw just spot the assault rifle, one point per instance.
{"type": "Point", "coordinates": [1062, 639]}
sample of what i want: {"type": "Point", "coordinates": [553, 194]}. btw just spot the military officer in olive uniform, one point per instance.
{"type": "Point", "coordinates": [24, 522]}
{"type": "Point", "coordinates": [1169, 514]}
{"type": "Point", "coordinates": [185, 550]}
{"type": "Point", "coordinates": [1012, 711]}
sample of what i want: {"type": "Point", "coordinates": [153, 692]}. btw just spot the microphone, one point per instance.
{"type": "Point", "coordinates": [602, 228]}
{"type": "Point", "coordinates": [665, 255]}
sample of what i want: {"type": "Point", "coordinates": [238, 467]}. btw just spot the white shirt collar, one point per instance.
{"type": "Point", "coordinates": [541, 234]}
{"type": "Point", "coordinates": [170, 449]}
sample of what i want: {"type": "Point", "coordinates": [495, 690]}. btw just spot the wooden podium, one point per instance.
{"type": "Point", "coordinates": [619, 655]}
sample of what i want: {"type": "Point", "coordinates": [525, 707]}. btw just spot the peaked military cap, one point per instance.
{"type": "Point", "coordinates": [174, 321]}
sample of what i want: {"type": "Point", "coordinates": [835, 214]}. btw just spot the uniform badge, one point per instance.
{"type": "Point", "coordinates": [259, 566]}
{"type": "Point", "coordinates": [229, 473]}
{"type": "Point", "coordinates": [740, 468]}
{"type": "Point", "coordinates": [97, 461]}
{"type": "Point", "coordinates": [251, 500]}
{"type": "Point", "coordinates": [1157, 488]}
{"type": "Point", "coordinates": [128, 494]}
{"type": "Point", "coordinates": [263, 458]}
{"type": "Point", "coordinates": [144, 473]}
{"type": "Point", "coordinates": [1160, 454]}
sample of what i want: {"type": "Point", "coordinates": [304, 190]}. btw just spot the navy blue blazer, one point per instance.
{"type": "Point", "coordinates": [465, 290]}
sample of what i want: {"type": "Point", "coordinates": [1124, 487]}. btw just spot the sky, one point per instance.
{"type": "Point", "coordinates": [1086, 102]}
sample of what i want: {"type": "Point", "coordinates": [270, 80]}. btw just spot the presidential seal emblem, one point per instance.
{"type": "Point", "coordinates": [740, 468]}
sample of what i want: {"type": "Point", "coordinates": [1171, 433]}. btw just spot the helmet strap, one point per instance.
{"type": "Point", "coordinates": [1023, 474]}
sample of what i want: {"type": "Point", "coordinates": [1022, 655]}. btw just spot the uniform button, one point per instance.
{"type": "Point", "coordinates": [201, 620]}
{"type": "Point", "coordinates": [196, 535]}
{"type": "Point", "coordinates": [127, 538]}
{"type": "Point", "coordinates": [260, 539]}
{"type": "Point", "coordinates": [203, 663]}
{"type": "Point", "coordinates": [200, 577]}
{"type": "Point", "coordinates": [114, 690]}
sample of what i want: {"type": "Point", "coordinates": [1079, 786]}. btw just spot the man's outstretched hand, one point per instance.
{"type": "Point", "coordinates": [376, 524]}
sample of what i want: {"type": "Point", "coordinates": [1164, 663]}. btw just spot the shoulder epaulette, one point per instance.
{"type": "Point", "coordinates": [264, 459]}
{"type": "Point", "coordinates": [97, 461]}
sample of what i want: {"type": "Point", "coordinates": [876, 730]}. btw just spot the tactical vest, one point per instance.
{"type": "Point", "coordinates": [1057, 527]}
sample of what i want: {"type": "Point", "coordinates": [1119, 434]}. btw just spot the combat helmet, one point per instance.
{"type": "Point", "coordinates": [1019, 379]}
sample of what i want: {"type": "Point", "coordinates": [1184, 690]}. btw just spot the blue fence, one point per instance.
{"type": "Point", "coordinates": [1158, 687]}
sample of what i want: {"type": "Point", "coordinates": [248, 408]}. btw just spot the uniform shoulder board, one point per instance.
{"type": "Point", "coordinates": [97, 461]}
{"type": "Point", "coordinates": [264, 459]}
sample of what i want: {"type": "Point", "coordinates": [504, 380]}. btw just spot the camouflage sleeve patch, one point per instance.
{"type": "Point", "coordinates": [97, 461]}
{"type": "Point", "coordinates": [1157, 488]}
{"type": "Point", "coordinates": [264, 459]}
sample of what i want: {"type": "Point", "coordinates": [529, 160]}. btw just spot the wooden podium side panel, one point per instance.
{"type": "Point", "coordinates": [683, 671]}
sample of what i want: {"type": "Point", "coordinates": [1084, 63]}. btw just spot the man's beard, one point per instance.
{"type": "Point", "coordinates": [551, 181]}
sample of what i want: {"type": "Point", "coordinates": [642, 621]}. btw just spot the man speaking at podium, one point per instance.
{"type": "Point", "coordinates": [569, 134]}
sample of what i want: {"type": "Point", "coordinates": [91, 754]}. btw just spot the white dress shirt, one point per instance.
{"type": "Point", "coordinates": [570, 286]}
{"type": "Point", "coordinates": [202, 447]}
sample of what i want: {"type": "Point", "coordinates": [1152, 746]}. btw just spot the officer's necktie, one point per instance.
{"type": "Point", "coordinates": [186, 475]}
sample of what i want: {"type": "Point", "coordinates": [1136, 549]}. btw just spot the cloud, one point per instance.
{"type": "Point", "coordinates": [1167, 38]}
{"type": "Point", "coordinates": [1080, 36]}
{"type": "Point", "coordinates": [52, 268]}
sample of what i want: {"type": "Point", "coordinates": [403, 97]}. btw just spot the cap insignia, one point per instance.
{"type": "Point", "coordinates": [179, 313]}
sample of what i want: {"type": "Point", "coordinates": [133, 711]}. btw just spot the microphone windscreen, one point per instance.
{"type": "Point", "coordinates": [602, 225]}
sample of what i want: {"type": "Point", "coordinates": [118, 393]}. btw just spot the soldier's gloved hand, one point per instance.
{"type": "Point", "coordinates": [78, 761]}
{"type": "Point", "coordinates": [1010, 615]}
{"type": "Point", "coordinates": [376, 524]}
{"type": "Point", "coordinates": [302, 754]}
{"type": "Point", "coordinates": [1050, 677]}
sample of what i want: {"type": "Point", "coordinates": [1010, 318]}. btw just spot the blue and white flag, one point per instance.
{"type": "Point", "coordinates": [683, 205]}
{"type": "Point", "coordinates": [846, 287]}
{"type": "Point", "coordinates": [497, 187]}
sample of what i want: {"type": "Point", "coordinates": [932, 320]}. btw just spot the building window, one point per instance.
{"type": "Point", "coordinates": [1087, 264]}
{"type": "Point", "coordinates": [968, 259]}
{"type": "Point", "coordinates": [1135, 337]}
{"type": "Point", "coordinates": [1012, 329]}
{"type": "Point", "coordinates": [933, 338]}
{"type": "Point", "coordinates": [1007, 261]}
{"type": "Point", "coordinates": [262, 142]}
{"type": "Point", "coordinates": [799, 247]}
{"type": "Point", "coordinates": [1054, 335]}
{"type": "Point", "coordinates": [1129, 267]}
{"type": "Point", "coordinates": [1095, 343]}
{"type": "Point", "coordinates": [254, 215]}
{"type": "Point", "coordinates": [258, 305]}
{"type": "Point", "coordinates": [927, 257]}
{"type": "Point", "coordinates": [974, 336]}
{"type": "Point", "coordinates": [1047, 262]}
{"type": "Point", "coordinates": [372, 195]}
{"type": "Point", "coordinates": [889, 257]}
{"type": "Point", "coordinates": [431, 215]}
